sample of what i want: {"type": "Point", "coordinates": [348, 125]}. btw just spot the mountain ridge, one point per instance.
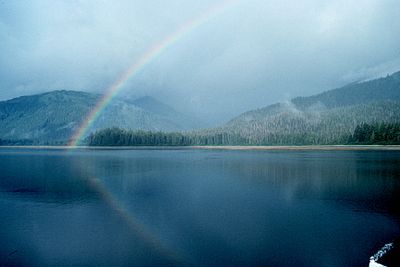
{"type": "Point", "coordinates": [53, 117]}
{"type": "Point", "coordinates": [361, 92]}
{"type": "Point", "coordinates": [321, 118]}
{"type": "Point", "coordinates": [325, 118]}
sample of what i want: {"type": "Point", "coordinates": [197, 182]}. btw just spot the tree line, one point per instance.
{"type": "Point", "coordinates": [379, 133]}
{"type": "Point", "coordinates": [121, 137]}
{"type": "Point", "coordinates": [376, 134]}
{"type": "Point", "coordinates": [16, 142]}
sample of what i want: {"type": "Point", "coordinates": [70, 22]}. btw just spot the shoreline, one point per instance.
{"type": "Point", "coordinates": [289, 148]}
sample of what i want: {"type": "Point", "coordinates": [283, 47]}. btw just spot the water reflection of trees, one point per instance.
{"type": "Point", "coordinates": [44, 176]}
{"type": "Point", "coordinates": [366, 180]}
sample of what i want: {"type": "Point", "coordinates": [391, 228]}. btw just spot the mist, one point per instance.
{"type": "Point", "coordinates": [252, 54]}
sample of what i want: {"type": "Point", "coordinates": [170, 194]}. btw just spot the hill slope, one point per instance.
{"type": "Point", "coordinates": [367, 112]}
{"type": "Point", "coordinates": [154, 106]}
{"type": "Point", "coordinates": [387, 88]}
{"type": "Point", "coordinates": [53, 117]}
{"type": "Point", "coordinates": [325, 118]}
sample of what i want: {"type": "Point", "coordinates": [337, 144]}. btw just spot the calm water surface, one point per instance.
{"type": "Point", "coordinates": [196, 207]}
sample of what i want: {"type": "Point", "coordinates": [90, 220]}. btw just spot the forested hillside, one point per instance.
{"type": "Point", "coordinates": [364, 134]}
{"type": "Point", "coordinates": [52, 118]}
{"type": "Point", "coordinates": [285, 124]}
{"type": "Point", "coordinates": [387, 88]}
{"type": "Point", "coordinates": [327, 118]}
{"type": "Point", "coordinates": [47, 117]}
{"type": "Point", "coordinates": [376, 134]}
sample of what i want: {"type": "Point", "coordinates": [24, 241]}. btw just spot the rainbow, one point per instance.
{"type": "Point", "coordinates": [140, 230]}
{"type": "Point", "coordinates": [158, 244]}
{"type": "Point", "coordinates": [141, 62]}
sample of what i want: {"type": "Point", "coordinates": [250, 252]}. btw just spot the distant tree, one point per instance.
{"type": "Point", "coordinates": [379, 133]}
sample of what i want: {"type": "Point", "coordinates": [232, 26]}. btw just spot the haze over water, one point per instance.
{"type": "Point", "coordinates": [196, 207]}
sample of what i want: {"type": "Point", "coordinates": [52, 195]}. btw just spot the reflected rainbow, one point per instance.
{"type": "Point", "coordinates": [139, 229]}
{"type": "Point", "coordinates": [141, 62]}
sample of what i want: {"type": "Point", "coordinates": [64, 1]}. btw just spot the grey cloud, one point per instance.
{"type": "Point", "coordinates": [255, 53]}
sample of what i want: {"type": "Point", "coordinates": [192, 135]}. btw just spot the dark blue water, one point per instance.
{"type": "Point", "coordinates": [196, 207]}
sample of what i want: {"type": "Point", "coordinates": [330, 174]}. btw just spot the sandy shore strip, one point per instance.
{"type": "Point", "coordinates": [297, 148]}
{"type": "Point", "coordinates": [309, 147]}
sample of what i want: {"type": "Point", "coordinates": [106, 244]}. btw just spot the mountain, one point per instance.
{"type": "Point", "coordinates": [381, 89]}
{"type": "Point", "coordinates": [151, 104]}
{"type": "Point", "coordinates": [53, 117]}
{"type": "Point", "coordinates": [154, 106]}
{"type": "Point", "coordinates": [325, 118]}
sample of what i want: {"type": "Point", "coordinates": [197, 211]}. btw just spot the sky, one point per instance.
{"type": "Point", "coordinates": [252, 54]}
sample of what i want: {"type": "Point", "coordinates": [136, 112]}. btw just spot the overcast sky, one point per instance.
{"type": "Point", "coordinates": [255, 53]}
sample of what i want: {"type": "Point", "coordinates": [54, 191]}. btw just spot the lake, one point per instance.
{"type": "Point", "coordinates": [196, 207]}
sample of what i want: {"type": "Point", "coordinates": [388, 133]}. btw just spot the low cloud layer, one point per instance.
{"type": "Point", "coordinates": [255, 53]}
